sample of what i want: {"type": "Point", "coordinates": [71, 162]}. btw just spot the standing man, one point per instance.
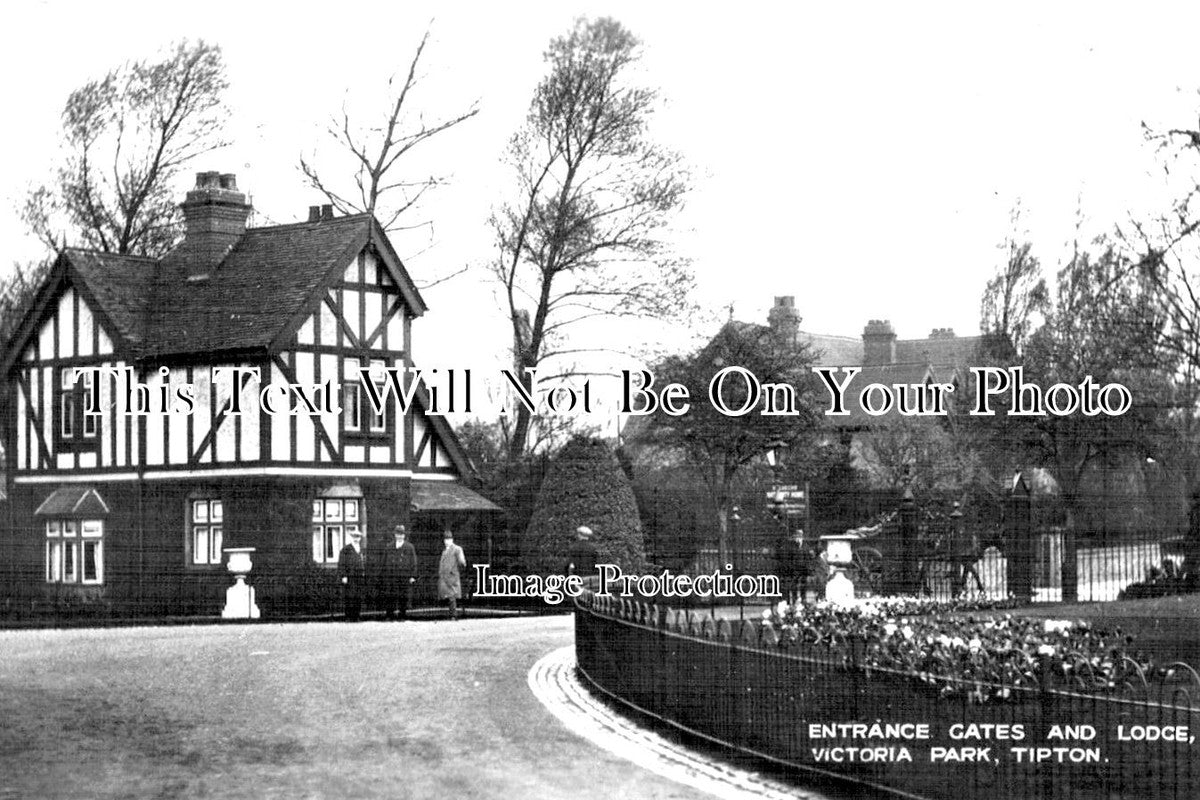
{"type": "Point", "coordinates": [794, 563]}
{"type": "Point", "coordinates": [581, 558]}
{"type": "Point", "coordinates": [352, 574]}
{"type": "Point", "coordinates": [399, 573]}
{"type": "Point", "coordinates": [450, 568]}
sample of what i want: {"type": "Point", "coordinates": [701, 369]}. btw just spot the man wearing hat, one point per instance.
{"type": "Point", "coordinates": [352, 574]}
{"type": "Point", "coordinates": [399, 573]}
{"type": "Point", "coordinates": [581, 558]}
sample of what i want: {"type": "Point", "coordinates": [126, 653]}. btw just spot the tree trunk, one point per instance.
{"type": "Point", "coordinates": [722, 535]}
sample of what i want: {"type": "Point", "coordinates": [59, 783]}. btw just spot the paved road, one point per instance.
{"type": "Point", "coordinates": [387, 710]}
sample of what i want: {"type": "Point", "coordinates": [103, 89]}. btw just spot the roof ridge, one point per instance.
{"type": "Point", "coordinates": [314, 223]}
{"type": "Point", "coordinates": [88, 251]}
{"type": "Point", "coordinates": [832, 336]}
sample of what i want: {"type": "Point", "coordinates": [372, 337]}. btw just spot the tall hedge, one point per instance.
{"type": "Point", "coordinates": [584, 486]}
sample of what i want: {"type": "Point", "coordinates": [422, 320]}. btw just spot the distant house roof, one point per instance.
{"type": "Point", "coordinates": [940, 357]}
{"type": "Point", "coordinates": [946, 350]}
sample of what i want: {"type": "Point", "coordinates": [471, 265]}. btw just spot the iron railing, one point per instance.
{"type": "Point", "coordinates": [733, 683]}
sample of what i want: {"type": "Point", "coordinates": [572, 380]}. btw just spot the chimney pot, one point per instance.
{"type": "Point", "coordinates": [208, 180]}
{"type": "Point", "coordinates": [314, 213]}
{"type": "Point", "coordinates": [326, 212]}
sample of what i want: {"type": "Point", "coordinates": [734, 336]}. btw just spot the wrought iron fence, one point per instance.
{"type": "Point", "coordinates": [812, 708]}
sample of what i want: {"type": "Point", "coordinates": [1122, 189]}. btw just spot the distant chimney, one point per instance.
{"type": "Point", "coordinates": [784, 319]}
{"type": "Point", "coordinates": [879, 343]}
{"type": "Point", "coordinates": [326, 212]}
{"type": "Point", "coordinates": [942, 333]}
{"type": "Point", "coordinates": [314, 213]}
{"type": "Point", "coordinates": [214, 215]}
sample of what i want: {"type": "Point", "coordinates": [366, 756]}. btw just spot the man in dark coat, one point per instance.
{"type": "Point", "coordinates": [793, 565]}
{"type": "Point", "coordinates": [399, 574]}
{"type": "Point", "coordinates": [581, 558]}
{"type": "Point", "coordinates": [352, 575]}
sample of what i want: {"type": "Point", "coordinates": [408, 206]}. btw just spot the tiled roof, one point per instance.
{"type": "Point", "coordinates": [73, 501]}
{"type": "Point", "coordinates": [833, 351]}
{"type": "Point", "coordinates": [243, 304]}
{"type": "Point", "coordinates": [118, 284]}
{"type": "Point", "coordinates": [448, 496]}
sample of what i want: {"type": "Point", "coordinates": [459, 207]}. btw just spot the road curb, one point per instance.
{"type": "Point", "coordinates": [553, 681]}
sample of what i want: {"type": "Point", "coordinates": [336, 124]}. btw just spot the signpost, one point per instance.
{"type": "Point", "coordinates": [789, 503]}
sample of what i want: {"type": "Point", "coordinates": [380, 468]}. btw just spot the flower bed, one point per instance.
{"type": "Point", "coordinates": [946, 645]}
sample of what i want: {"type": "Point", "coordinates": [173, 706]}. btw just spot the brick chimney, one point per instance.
{"type": "Point", "coordinates": [879, 343]}
{"type": "Point", "coordinates": [214, 216]}
{"type": "Point", "coordinates": [784, 319]}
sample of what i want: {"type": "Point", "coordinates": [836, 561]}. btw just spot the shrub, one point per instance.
{"type": "Point", "coordinates": [584, 486]}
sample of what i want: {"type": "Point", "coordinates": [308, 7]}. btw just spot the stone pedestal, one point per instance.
{"type": "Point", "coordinates": [239, 598]}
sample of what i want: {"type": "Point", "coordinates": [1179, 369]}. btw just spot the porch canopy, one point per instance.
{"type": "Point", "coordinates": [73, 501]}
{"type": "Point", "coordinates": [448, 496]}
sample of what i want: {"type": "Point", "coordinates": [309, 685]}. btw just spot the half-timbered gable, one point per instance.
{"type": "Point", "coordinates": [231, 411]}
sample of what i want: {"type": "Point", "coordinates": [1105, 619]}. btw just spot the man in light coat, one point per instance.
{"type": "Point", "coordinates": [450, 568]}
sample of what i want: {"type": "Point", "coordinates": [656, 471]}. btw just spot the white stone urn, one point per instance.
{"type": "Point", "coordinates": [839, 555]}
{"type": "Point", "coordinates": [239, 598]}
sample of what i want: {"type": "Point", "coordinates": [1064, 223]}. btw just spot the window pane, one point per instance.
{"type": "Point", "coordinates": [333, 542]}
{"type": "Point", "coordinates": [53, 561]}
{"type": "Point", "coordinates": [200, 511]}
{"type": "Point", "coordinates": [93, 564]}
{"type": "Point", "coordinates": [351, 406]}
{"type": "Point", "coordinates": [90, 425]}
{"type": "Point", "coordinates": [218, 511]}
{"type": "Point", "coordinates": [333, 510]}
{"type": "Point", "coordinates": [67, 416]}
{"type": "Point", "coordinates": [351, 510]}
{"type": "Point", "coordinates": [69, 557]}
{"type": "Point", "coordinates": [53, 528]}
{"type": "Point", "coordinates": [218, 536]}
{"type": "Point", "coordinates": [199, 544]}
{"type": "Point", "coordinates": [91, 527]}
{"type": "Point", "coordinates": [318, 544]}
{"type": "Point", "coordinates": [317, 511]}
{"type": "Point", "coordinates": [69, 527]}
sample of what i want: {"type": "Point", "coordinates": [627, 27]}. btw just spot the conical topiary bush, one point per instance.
{"type": "Point", "coordinates": [584, 486]}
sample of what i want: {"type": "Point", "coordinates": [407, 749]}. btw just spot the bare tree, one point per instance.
{"type": "Point", "coordinates": [127, 135]}
{"type": "Point", "coordinates": [17, 291]}
{"type": "Point", "coordinates": [371, 154]}
{"type": "Point", "coordinates": [1014, 298]}
{"type": "Point", "coordinates": [582, 238]}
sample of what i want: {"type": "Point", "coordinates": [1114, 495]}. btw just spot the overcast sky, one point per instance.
{"type": "Point", "coordinates": [863, 158]}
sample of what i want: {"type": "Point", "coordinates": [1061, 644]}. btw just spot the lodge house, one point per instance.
{"type": "Point", "coordinates": [132, 513]}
